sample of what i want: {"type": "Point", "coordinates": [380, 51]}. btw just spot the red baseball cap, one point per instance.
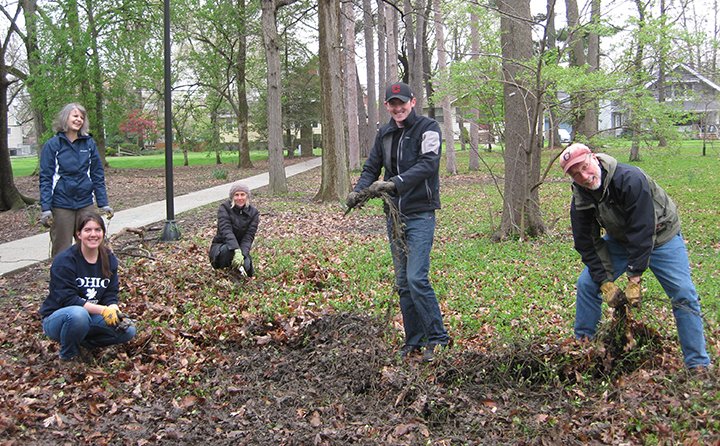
{"type": "Point", "coordinates": [573, 154]}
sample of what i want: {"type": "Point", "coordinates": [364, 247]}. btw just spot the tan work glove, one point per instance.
{"type": "Point", "coordinates": [611, 294]}
{"type": "Point", "coordinates": [111, 316]}
{"type": "Point", "coordinates": [633, 293]}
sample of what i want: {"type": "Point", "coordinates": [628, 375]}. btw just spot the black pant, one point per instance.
{"type": "Point", "coordinates": [221, 257]}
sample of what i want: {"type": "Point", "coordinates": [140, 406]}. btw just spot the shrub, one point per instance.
{"type": "Point", "coordinates": [220, 174]}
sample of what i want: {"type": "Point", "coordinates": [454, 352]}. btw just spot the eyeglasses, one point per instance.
{"type": "Point", "coordinates": [578, 172]}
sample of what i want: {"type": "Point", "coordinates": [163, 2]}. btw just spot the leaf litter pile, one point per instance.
{"type": "Point", "coordinates": [213, 369]}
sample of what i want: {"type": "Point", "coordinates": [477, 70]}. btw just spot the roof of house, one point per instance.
{"type": "Point", "coordinates": [693, 72]}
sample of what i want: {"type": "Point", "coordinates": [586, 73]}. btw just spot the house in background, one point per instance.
{"type": "Point", "coordinates": [685, 89]}
{"type": "Point", "coordinates": [21, 137]}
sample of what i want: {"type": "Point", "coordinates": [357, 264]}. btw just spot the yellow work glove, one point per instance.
{"type": "Point", "coordinates": [633, 292]}
{"type": "Point", "coordinates": [111, 316]}
{"type": "Point", "coordinates": [611, 294]}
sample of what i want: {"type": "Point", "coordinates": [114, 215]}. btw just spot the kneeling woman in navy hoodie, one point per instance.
{"type": "Point", "coordinates": [82, 306]}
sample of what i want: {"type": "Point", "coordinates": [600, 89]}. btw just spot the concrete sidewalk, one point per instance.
{"type": "Point", "coordinates": [21, 253]}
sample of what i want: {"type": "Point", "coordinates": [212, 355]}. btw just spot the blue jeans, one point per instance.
{"type": "Point", "coordinates": [670, 265]}
{"type": "Point", "coordinates": [73, 326]}
{"type": "Point", "coordinates": [422, 319]}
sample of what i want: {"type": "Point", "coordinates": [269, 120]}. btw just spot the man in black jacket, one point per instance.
{"type": "Point", "coordinates": [642, 230]}
{"type": "Point", "coordinates": [408, 150]}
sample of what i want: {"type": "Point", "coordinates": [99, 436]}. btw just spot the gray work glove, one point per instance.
{"type": "Point", "coordinates": [352, 200]}
{"type": "Point", "coordinates": [108, 212]}
{"type": "Point", "coordinates": [46, 218]}
{"type": "Point", "coordinates": [380, 187]}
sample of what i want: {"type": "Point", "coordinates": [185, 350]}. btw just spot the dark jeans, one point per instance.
{"type": "Point", "coordinates": [422, 319]}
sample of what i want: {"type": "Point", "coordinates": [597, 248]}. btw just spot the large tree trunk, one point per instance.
{"type": "Point", "coordinates": [10, 197]}
{"type": "Point", "coordinates": [351, 91]}
{"type": "Point", "coordinates": [335, 182]}
{"type": "Point", "coordinates": [451, 164]}
{"type": "Point", "coordinates": [278, 181]}
{"type": "Point", "coordinates": [521, 207]}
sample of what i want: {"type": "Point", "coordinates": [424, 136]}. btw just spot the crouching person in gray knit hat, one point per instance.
{"type": "Point", "coordinates": [237, 223]}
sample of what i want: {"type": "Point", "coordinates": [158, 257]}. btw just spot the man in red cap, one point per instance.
{"type": "Point", "coordinates": [408, 150]}
{"type": "Point", "coordinates": [642, 230]}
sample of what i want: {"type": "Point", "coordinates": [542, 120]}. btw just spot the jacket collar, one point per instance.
{"type": "Point", "coordinates": [408, 122]}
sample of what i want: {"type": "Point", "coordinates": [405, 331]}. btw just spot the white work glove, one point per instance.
{"type": "Point", "coordinates": [108, 212]}
{"type": "Point", "coordinates": [46, 218]}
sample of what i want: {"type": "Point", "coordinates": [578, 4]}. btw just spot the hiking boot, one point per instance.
{"type": "Point", "coordinates": [431, 350]}
{"type": "Point", "coordinates": [408, 350]}
{"type": "Point", "coordinates": [700, 372]}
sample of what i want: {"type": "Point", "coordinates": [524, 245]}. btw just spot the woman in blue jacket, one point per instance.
{"type": "Point", "coordinates": [82, 305]}
{"type": "Point", "coordinates": [71, 176]}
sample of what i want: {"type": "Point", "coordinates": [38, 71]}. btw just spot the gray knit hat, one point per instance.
{"type": "Point", "coordinates": [239, 186]}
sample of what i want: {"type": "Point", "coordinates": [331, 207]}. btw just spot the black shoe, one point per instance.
{"type": "Point", "coordinates": [431, 350]}
{"type": "Point", "coordinates": [408, 350]}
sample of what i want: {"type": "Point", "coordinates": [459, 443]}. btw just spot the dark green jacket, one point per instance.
{"type": "Point", "coordinates": [632, 208]}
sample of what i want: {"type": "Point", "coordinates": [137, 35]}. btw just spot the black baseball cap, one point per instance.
{"type": "Point", "coordinates": [400, 91]}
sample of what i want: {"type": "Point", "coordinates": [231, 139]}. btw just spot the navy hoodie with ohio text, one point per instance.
{"type": "Point", "coordinates": [74, 281]}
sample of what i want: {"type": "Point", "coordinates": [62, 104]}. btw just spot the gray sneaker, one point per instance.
{"type": "Point", "coordinates": [408, 350]}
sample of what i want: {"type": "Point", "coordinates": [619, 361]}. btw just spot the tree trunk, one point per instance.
{"type": "Point", "coordinates": [351, 92]}
{"type": "Point", "coordinates": [637, 76]}
{"type": "Point", "coordinates": [577, 59]}
{"type": "Point", "coordinates": [553, 133]}
{"type": "Point", "coordinates": [474, 155]}
{"type": "Point", "coordinates": [521, 207]}
{"type": "Point", "coordinates": [372, 102]}
{"type": "Point", "coordinates": [335, 182]}
{"type": "Point", "coordinates": [383, 38]}
{"type": "Point", "coordinates": [97, 82]}
{"type": "Point", "coordinates": [461, 125]}
{"type": "Point", "coordinates": [451, 164]}
{"type": "Point", "coordinates": [244, 161]}
{"type": "Point", "coordinates": [39, 107]}
{"type": "Point", "coordinates": [10, 197]}
{"type": "Point", "coordinates": [306, 140]}
{"type": "Point", "coordinates": [278, 181]}
{"type": "Point", "coordinates": [662, 66]}
{"type": "Point", "coordinates": [392, 47]}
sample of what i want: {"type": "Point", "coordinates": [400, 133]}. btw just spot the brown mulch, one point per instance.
{"type": "Point", "coordinates": [127, 188]}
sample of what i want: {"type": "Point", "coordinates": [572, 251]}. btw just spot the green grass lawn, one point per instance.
{"type": "Point", "coordinates": [23, 166]}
